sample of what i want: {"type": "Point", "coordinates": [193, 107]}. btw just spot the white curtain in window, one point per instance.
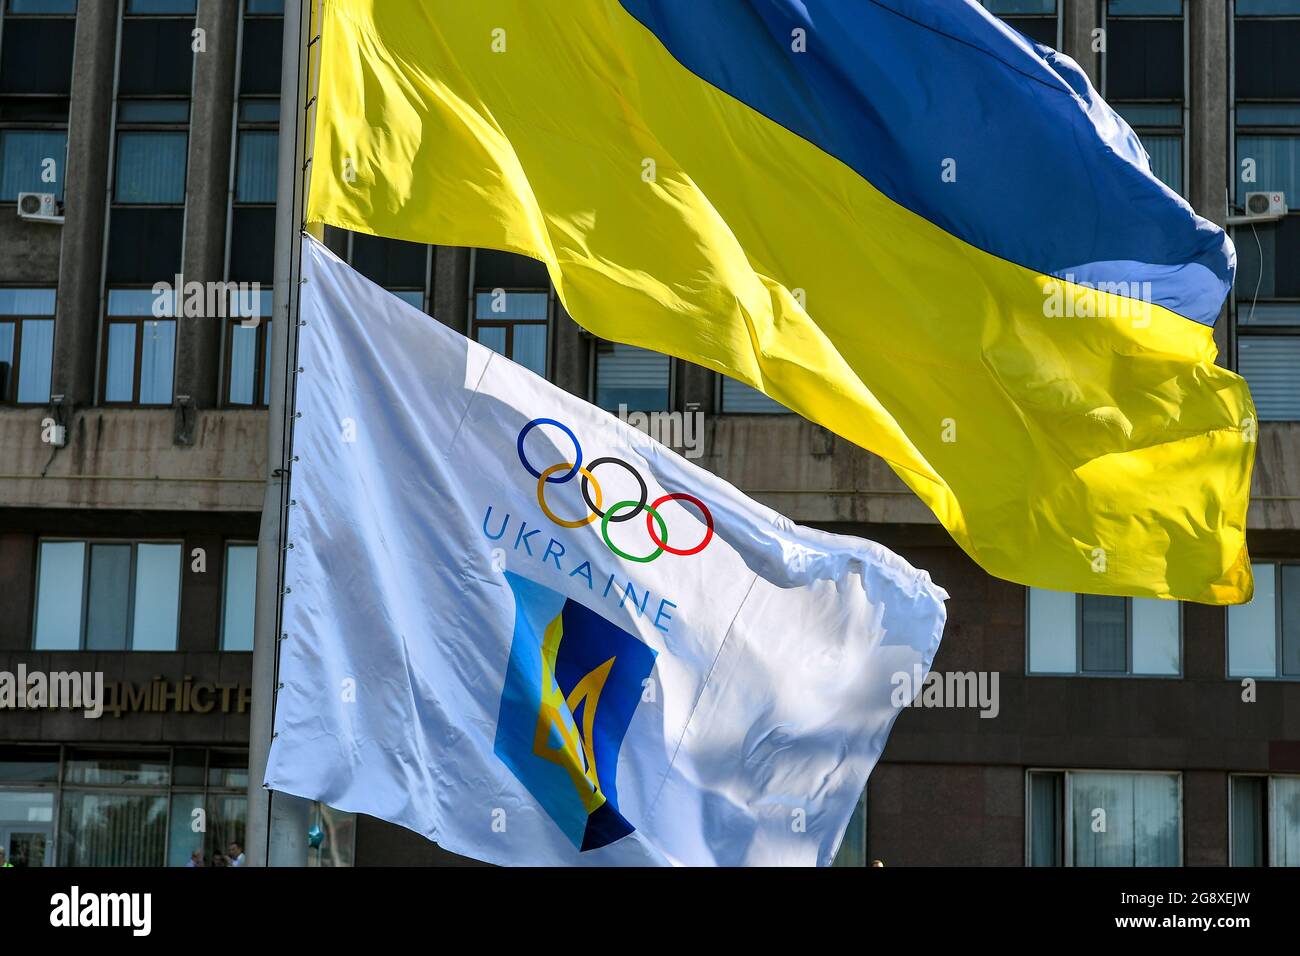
{"type": "Point", "coordinates": [157, 361]}
{"type": "Point", "coordinates": [157, 597]}
{"type": "Point", "coordinates": [257, 166]}
{"type": "Point", "coordinates": [1166, 154]}
{"type": "Point", "coordinates": [1252, 629]}
{"type": "Point", "coordinates": [1277, 164]}
{"type": "Point", "coordinates": [1285, 822]}
{"type": "Point", "coordinates": [119, 373]}
{"type": "Point", "coordinates": [1125, 819]}
{"type": "Point", "coordinates": [150, 167]}
{"type": "Point", "coordinates": [23, 162]}
{"type": "Point", "coordinates": [35, 363]}
{"type": "Point", "coordinates": [243, 364]}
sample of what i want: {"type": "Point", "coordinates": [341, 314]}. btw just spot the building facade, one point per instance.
{"type": "Point", "coordinates": [133, 426]}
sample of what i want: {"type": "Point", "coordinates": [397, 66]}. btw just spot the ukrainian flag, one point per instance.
{"type": "Point", "coordinates": [899, 218]}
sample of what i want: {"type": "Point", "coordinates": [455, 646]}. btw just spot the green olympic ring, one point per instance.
{"type": "Point", "coordinates": [613, 510]}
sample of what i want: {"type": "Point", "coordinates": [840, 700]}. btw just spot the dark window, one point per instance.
{"type": "Point", "coordinates": [1104, 633]}
{"type": "Point", "coordinates": [144, 245]}
{"type": "Point", "coordinates": [1039, 29]}
{"type": "Point", "coordinates": [1144, 59]}
{"type": "Point", "coordinates": [1266, 61]}
{"type": "Point", "coordinates": [252, 244]}
{"type": "Point", "coordinates": [1143, 78]}
{"type": "Point", "coordinates": [1036, 19]}
{"type": "Point", "coordinates": [259, 64]}
{"type": "Point", "coordinates": [390, 263]}
{"type": "Point", "coordinates": [505, 270]}
{"type": "Point", "coordinates": [157, 58]}
{"type": "Point", "coordinates": [36, 55]}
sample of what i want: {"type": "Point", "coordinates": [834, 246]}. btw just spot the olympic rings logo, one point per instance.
{"type": "Point", "coordinates": [565, 471]}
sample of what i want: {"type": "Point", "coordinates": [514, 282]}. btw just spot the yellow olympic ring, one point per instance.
{"type": "Point", "coordinates": [541, 495]}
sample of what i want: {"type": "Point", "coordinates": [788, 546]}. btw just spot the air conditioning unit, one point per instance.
{"type": "Point", "coordinates": [38, 207]}
{"type": "Point", "coordinates": [1261, 207]}
{"type": "Point", "coordinates": [1266, 204]}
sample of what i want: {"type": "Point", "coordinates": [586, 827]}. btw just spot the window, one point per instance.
{"type": "Point", "coordinates": [238, 605]}
{"type": "Point", "coordinates": [403, 268]}
{"type": "Point", "coordinates": [114, 806]}
{"type": "Point", "coordinates": [514, 323]}
{"type": "Point", "coordinates": [1091, 818]}
{"type": "Point", "coordinates": [107, 596]}
{"type": "Point", "coordinates": [1264, 820]}
{"type": "Point", "coordinates": [1266, 296]}
{"type": "Point", "coordinates": [853, 848]}
{"type": "Point", "coordinates": [631, 378]}
{"type": "Point", "coordinates": [1091, 634]}
{"type": "Point", "coordinates": [248, 360]}
{"type": "Point", "coordinates": [26, 345]}
{"type": "Point", "coordinates": [36, 47]}
{"type": "Point", "coordinates": [139, 347]}
{"type": "Point", "coordinates": [1143, 78]}
{"type": "Point", "coordinates": [254, 172]}
{"type": "Point", "coordinates": [1036, 19]}
{"type": "Point", "coordinates": [151, 142]}
{"type": "Point", "coordinates": [31, 161]}
{"type": "Point", "coordinates": [1264, 634]}
{"type": "Point", "coordinates": [737, 397]}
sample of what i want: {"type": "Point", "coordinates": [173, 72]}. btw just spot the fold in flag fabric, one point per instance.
{"type": "Point", "coordinates": [524, 629]}
{"type": "Point", "coordinates": [898, 218]}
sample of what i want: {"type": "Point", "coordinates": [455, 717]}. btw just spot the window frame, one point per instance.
{"type": "Point", "coordinates": [1128, 645]}
{"type": "Point", "coordinates": [225, 585]}
{"type": "Point", "coordinates": [1010, 20]}
{"type": "Point", "coordinates": [66, 752]}
{"type": "Point", "coordinates": [9, 396]}
{"type": "Point", "coordinates": [138, 322]}
{"type": "Point", "coordinates": [593, 377]}
{"type": "Point", "coordinates": [1183, 103]}
{"type": "Point", "coordinates": [6, 15]}
{"type": "Point", "coordinates": [1270, 805]}
{"type": "Point", "coordinates": [1241, 304]}
{"type": "Point", "coordinates": [1067, 810]}
{"type": "Point", "coordinates": [475, 323]}
{"type": "Point", "coordinates": [85, 596]}
{"type": "Point", "coordinates": [240, 126]}
{"type": "Point", "coordinates": [1278, 629]}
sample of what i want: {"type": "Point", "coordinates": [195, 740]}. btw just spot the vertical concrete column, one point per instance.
{"type": "Point", "coordinates": [76, 326]}
{"type": "Point", "coordinates": [1211, 169]}
{"type": "Point", "coordinates": [451, 287]}
{"type": "Point", "coordinates": [696, 385]}
{"type": "Point", "coordinates": [207, 195]}
{"type": "Point", "coordinates": [1079, 19]}
{"type": "Point", "coordinates": [570, 355]}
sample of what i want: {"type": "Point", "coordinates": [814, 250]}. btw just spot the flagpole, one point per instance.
{"type": "Point", "coordinates": [277, 822]}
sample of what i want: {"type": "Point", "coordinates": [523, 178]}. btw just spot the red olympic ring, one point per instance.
{"type": "Point", "coordinates": [708, 521]}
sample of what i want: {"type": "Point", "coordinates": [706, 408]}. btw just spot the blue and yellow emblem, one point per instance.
{"type": "Point", "coordinates": [572, 685]}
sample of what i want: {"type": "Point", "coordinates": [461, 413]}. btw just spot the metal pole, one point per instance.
{"type": "Point", "coordinates": [277, 822]}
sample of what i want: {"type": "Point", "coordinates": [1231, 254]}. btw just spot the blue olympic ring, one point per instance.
{"type": "Point", "coordinates": [523, 457]}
